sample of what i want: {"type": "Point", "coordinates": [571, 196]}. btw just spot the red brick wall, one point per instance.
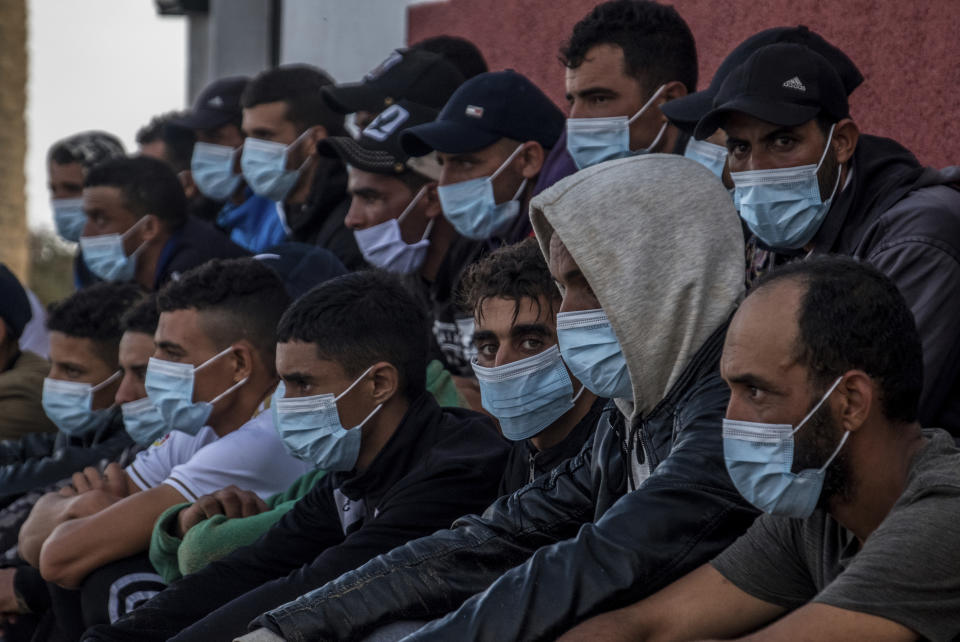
{"type": "Point", "coordinates": [907, 50]}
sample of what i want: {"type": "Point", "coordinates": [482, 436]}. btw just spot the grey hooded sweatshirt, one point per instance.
{"type": "Point", "coordinates": [659, 242]}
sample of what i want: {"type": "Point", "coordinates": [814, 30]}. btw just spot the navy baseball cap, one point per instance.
{"type": "Point", "coordinates": [783, 84]}
{"type": "Point", "coordinates": [14, 305]}
{"type": "Point", "coordinates": [217, 105]}
{"type": "Point", "coordinates": [377, 149]}
{"type": "Point", "coordinates": [486, 108]}
{"type": "Point", "coordinates": [417, 75]}
{"type": "Point", "coordinates": [685, 112]}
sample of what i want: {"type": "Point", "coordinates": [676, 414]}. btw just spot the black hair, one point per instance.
{"type": "Point", "coordinates": [514, 272]}
{"type": "Point", "coordinates": [852, 316]}
{"type": "Point", "coordinates": [359, 319]}
{"type": "Point", "coordinates": [142, 317]}
{"type": "Point", "coordinates": [241, 299]}
{"type": "Point", "coordinates": [87, 148]}
{"type": "Point", "coordinates": [460, 52]}
{"type": "Point", "coordinates": [657, 44]}
{"type": "Point", "coordinates": [95, 313]}
{"type": "Point", "coordinates": [299, 86]}
{"type": "Point", "coordinates": [148, 185]}
{"type": "Point", "coordinates": [178, 141]}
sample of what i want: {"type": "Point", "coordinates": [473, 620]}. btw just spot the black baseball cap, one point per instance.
{"type": "Point", "coordinates": [486, 108]}
{"type": "Point", "coordinates": [217, 105]}
{"type": "Point", "coordinates": [378, 149]}
{"type": "Point", "coordinates": [783, 84]}
{"type": "Point", "coordinates": [417, 75]}
{"type": "Point", "coordinates": [685, 112]}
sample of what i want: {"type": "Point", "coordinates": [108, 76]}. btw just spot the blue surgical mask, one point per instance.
{"type": "Point", "coordinates": [143, 421]}
{"type": "Point", "coordinates": [69, 218]}
{"type": "Point", "coordinates": [783, 206]}
{"type": "Point", "coordinates": [528, 395]}
{"type": "Point", "coordinates": [311, 430]}
{"type": "Point", "coordinates": [264, 165]}
{"type": "Point", "coordinates": [595, 140]}
{"type": "Point", "coordinates": [759, 458]}
{"type": "Point", "coordinates": [212, 169]}
{"type": "Point", "coordinates": [591, 351]}
{"type": "Point", "coordinates": [105, 257]}
{"type": "Point", "coordinates": [382, 245]}
{"type": "Point", "coordinates": [472, 209]}
{"type": "Point", "coordinates": [170, 387]}
{"type": "Point", "coordinates": [69, 405]}
{"type": "Point", "coordinates": [713, 157]}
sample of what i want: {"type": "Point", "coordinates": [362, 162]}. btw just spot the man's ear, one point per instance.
{"type": "Point", "coordinates": [671, 91]}
{"type": "Point", "coordinates": [314, 135]}
{"type": "Point", "coordinates": [386, 381]}
{"type": "Point", "coordinates": [856, 397]}
{"type": "Point", "coordinates": [243, 360]}
{"type": "Point", "coordinates": [151, 228]}
{"type": "Point", "coordinates": [431, 202]}
{"type": "Point", "coordinates": [844, 141]}
{"type": "Point", "coordinates": [531, 159]}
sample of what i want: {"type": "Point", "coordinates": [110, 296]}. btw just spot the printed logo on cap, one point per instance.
{"type": "Point", "coordinates": [474, 112]}
{"type": "Point", "coordinates": [384, 125]}
{"type": "Point", "coordinates": [216, 101]}
{"type": "Point", "coordinates": [794, 83]}
{"type": "Point", "coordinates": [384, 66]}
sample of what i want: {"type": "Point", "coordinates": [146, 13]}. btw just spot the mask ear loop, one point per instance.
{"type": "Point", "coordinates": [351, 387]}
{"type": "Point", "coordinates": [646, 105]}
{"type": "Point", "coordinates": [817, 407]}
{"type": "Point", "coordinates": [133, 255]}
{"type": "Point", "coordinates": [504, 166]}
{"type": "Point", "coordinates": [409, 208]}
{"type": "Point", "coordinates": [286, 151]}
{"type": "Point", "coordinates": [579, 392]}
{"type": "Point", "coordinates": [206, 363]}
{"type": "Point", "coordinates": [836, 451]}
{"type": "Point", "coordinates": [836, 183]}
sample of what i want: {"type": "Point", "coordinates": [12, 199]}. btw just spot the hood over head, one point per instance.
{"type": "Point", "coordinates": [659, 241]}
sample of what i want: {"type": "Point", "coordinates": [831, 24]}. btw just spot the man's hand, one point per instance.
{"type": "Point", "coordinates": [112, 481]}
{"type": "Point", "coordinates": [230, 502]}
{"type": "Point", "coordinates": [8, 597]}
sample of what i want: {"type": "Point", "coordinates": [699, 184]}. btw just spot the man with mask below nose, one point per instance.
{"type": "Point", "coordinates": [284, 117]}
{"type": "Point", "coordinates": [858, 537]}
{"type": "Point", "coordinates": [21, 587]}
{"type": "Point", "coordinates": [648, 498]}
{"type": "Point", "coordinates": [541, 408]}
{"type": "Point", "coordinates": [211, 379]}
{"type": "Point", "coordinates": [808, 182]}
{"type": "Point", "coordinates": [491, 139]}
{"type": "Point", "coordinates": [215, 120]}
{"type": "Point", "coordinates": [352, 357]}
{"type": "Point", "coordinates": [623, 61]}
{"type": "Point", "coordinates": [137, 228]}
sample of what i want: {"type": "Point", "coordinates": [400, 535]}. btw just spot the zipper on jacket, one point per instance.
{"type": "Point", "coordinates": [533, 470]}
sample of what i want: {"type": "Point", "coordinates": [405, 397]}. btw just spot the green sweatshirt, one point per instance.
{"type": "Point", "coordinates": [218, 536]}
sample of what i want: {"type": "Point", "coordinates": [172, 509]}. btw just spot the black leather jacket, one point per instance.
{"type": "Point", "coordinates": [571, 544]}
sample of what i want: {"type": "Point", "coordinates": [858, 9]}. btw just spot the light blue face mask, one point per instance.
{"type": "Point", "coordinates": [264, 166]}
{"type": "Point", "coordinates": [759, 458]}
{"type": "Point", "coordinates": [170, 387]}
{"type": "Point", "coordinates": [591, 351]}
{"type": "Point", "coordinates": [783, 206]}
{"type": "Point", "coordinates": [311, 430]}
{"type": "Point", "coordinates": [68, 217]}
{"type": "Point", "coordinates": [471, 208]}
{"type": "Point", "coordinates": [528, 395]}
{"type": "Point", "coordinates": [713, 157]}
{"type": "Point", "coordinates": [142, 421]}
{"type": "Point", "coordinates": [595, 140]}
{"type": "Point", "coordinates": [105, 257]}
{"type": "Point", "coordinates": [69, 405]}
{"type": "Point", "coordinates": [382, 245]}
{"type": "Point", "coordinates": [212, 169]}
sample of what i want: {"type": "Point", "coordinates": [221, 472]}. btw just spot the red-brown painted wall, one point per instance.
{"type": "Point", "coordinates": [908, 51]}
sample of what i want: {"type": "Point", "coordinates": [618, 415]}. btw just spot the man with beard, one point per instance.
{"type": "Point", "coordinates": [806, 181]}
{"type": "Point", "coordinates": [824, 365]}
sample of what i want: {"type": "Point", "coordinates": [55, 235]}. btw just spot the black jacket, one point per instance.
{"type": "Point", "coordinates": [572, 544]}
{"type": "Point", "coordinates": [526, 463]}
{"type": "Point", "coordinates": [319, 220]}
{"type": "Point", "coordinates": [40, 459]}
{"type": "Point", "coordinates": [905, 220]}
{"type": "Point", "coordinates": [195, 243]}
{"type": "Point", "coordinates": [439, 464]}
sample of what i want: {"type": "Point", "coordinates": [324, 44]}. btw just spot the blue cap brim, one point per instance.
{"type": "Point", "coordinates": [446, 136]}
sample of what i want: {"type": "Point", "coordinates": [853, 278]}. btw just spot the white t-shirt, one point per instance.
{"type": "Point", "coordinates": [252, 457]}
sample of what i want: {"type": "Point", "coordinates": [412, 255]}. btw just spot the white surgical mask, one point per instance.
{"type": "Point", "coordinates": [595, 140]}
{"type": "Point", "coordinates": [382, 245]}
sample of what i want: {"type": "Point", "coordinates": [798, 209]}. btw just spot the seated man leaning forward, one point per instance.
{"type": "Point", "coordinates": [858, 539]}
{"type": "Point", "coordinates": [215, 343]}
{"type": "Point", "coordinates": [543, 409]}
{"type": "Point", "coordinates": [352, 355]}
{"type": "Point", "coordinates": [642, 321]}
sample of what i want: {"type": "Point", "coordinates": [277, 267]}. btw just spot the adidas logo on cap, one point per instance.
{"type": "Point", "coordinates": [794, 83]}
{"type": "Point", "coordinates": [216, 101]}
